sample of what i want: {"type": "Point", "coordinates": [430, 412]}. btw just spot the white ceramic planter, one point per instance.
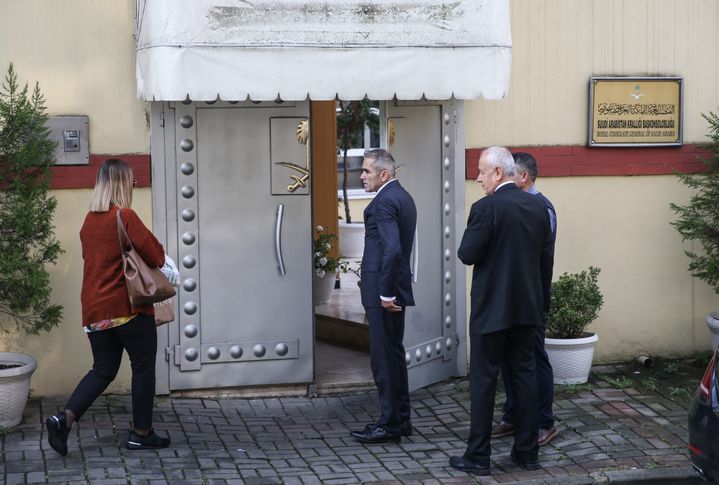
{"type": "Point", "coordinates": [14, 387]}
{"type": "Point", "coordinates": [351, 239]}
{"type": "Point", "coordinates": [713, 324]}
{"type": "Point", "coordinates": [571, 359]}
{"type": "Point", "coordinates": [323, 287]}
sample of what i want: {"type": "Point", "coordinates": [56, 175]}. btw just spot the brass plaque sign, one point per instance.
{"type": "Point", "coordinates": [635, 111]}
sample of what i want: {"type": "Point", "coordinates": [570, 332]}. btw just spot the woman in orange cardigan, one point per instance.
{"type": "Point", "coordinates": [112, 324]}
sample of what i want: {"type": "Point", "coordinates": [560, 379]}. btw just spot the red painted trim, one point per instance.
{"type": "Point", "coordinates": [83, 176]}
{"type": "Point", "coordinates": [576, 160]}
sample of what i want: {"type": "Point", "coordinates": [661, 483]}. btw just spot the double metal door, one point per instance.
{"type": "Point", "coordinates": [236, 202]}
{"type": "Point", "coordinates": [422, 138]}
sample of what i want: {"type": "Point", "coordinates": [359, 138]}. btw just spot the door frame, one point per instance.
{"type": "Point", "coordinates": [453, 147]}
{"type": "Point", "coordinates": [162, 143]}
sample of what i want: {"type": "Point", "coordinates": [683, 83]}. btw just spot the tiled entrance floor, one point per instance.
{"type": "Point", "coordinates": [339, 367]}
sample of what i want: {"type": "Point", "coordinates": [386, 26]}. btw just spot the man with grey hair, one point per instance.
{"type": "Point", "coordinates": [390, 220]}
{"type": "Point", "coordinates": [525, 176]}
{"type": "Point", "coordinates": [506, 241]}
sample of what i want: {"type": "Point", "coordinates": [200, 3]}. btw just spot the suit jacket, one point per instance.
{"type": "Point", "coordinates": [508, 240]}
{"type": "Point", "coordinates": [390, 221]}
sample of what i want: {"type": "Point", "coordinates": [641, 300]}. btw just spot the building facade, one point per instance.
{"type": "Point", "coordinates": [612, 203]}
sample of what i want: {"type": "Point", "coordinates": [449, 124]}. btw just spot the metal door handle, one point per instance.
{"type": "Point", "coordinates": [415, 256]}
{"type": "Point", "coordinates": [278, 238]}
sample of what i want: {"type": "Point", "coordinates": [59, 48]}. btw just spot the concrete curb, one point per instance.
{"type": "Point", "coordinates": [658, 476]}
{"type": "Point", "coordinates": [682, 475]}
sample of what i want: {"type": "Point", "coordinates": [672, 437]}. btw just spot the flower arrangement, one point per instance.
{"type": "Point", "coordinates": [324, 263]}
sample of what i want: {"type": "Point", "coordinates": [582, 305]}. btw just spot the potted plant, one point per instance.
{"type": "Point", "coordinates": [352, 116]}
{"type": "Point", "coordinates": [576, 301]}
{"type": "Point", "coordinates": [325, 266]}
{"type": "Point", "coordinates": [27, 242]}
{"type": "Point", "coordinates": [699, 220]}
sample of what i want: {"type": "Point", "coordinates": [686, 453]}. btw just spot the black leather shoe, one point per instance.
{"type": "Point", "coordinates": [524, 465]}
{"type": "Point", "coordinates": [460, 463]}
{"type": "Point", "coordinates": [57, 433]}
{"type": "Point", "coordinates": [405, 427]}
{"type": "Point", "coordinates": [376, 434]}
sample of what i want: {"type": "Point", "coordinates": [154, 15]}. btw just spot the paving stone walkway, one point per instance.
{"type": "Point", "coordinates": [607, 426]}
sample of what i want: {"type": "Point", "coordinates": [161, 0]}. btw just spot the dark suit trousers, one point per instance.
{"type": "Point", "coordinates": [545, 383]}
{"type": "Point", "coordinates": [516, 346]}
{"type": "Point", "coordinates": [388, 364]}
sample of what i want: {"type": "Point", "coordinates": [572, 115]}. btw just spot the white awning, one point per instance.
{"type": "Point", "coordinates": [322, 49]}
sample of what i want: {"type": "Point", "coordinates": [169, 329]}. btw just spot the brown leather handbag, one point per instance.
{"type": "Point", "coordinates": [145, 285]}
{"type": "Point", "coordinates": [164, 311]}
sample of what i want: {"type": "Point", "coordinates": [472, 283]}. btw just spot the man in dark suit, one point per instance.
{"type": "Point", "coordinates": [525, 177]}
{"type": "Point", "coordinates": [506, 240]}
{"type": "Point", "coordinates": [390, 221]}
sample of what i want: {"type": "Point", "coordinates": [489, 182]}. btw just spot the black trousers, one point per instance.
{"type": "Point", "coordinates": [139, 338]}
{"type": "Point", "coordinates": [545, 383]}
{"type": "Point", "coordinates": [389, 367]}
{"type": "Point", "coordinates": [516, 346]}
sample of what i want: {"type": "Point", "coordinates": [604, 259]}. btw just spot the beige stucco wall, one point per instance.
{"type": "Point", "coordinates": [82, 52]}
{"type": "Point", "coordinates": [559, 44]}
{"type": "Point", "coordinates": [64, 353]}
{"type": "Point", "coordinates": [621, 224]}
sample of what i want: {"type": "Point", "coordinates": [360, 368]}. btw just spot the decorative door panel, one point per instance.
{"type": "Point", "coordinates": [244, 243]}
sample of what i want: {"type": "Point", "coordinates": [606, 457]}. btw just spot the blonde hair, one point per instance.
{"type": "Point", "coordinates": [112, 186]}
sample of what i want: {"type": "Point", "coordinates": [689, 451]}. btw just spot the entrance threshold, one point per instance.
{"type": "Point", "coordinates": [342, 320]}
{"type": "Point", "coordinates": [342, 342]}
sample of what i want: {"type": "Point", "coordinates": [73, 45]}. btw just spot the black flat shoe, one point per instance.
{"type": "Point", "coordinates": [148, 442]}
{"type": "Point", "coordinates": [375, 435]}
{"type": "Point", "coordinates": [460, 463]}
{"type": "Point", "coordinates": [57, 433]}
{"type": "Point", "coordinates": [524, 465]}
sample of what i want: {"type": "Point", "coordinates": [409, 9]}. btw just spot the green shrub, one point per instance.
{"type": "Point", "coordinates": [699, 219]}
{"type": "Point", "coordinates": [27, 240]}
{"type": "Point", "coordinates": [576, 301]}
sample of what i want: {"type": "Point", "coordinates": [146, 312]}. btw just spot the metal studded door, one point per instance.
{"type": "Point", "coordinates": [239, 221]}
{"type": "Point", "coordinates": [422, 137]}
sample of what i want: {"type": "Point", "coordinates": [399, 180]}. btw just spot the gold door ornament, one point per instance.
{"type": "Point", "coordinates": [302, 175]}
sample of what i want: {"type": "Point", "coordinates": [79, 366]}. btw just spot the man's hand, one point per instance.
{"type": "Point", "coordinates": [391, 306]}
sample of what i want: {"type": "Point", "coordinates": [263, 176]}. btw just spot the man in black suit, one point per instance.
{"type": "Point", "coordinates": [390, 220]}
{"type": "Point", "coordinates": [525, 177]}
{"type": "Point", "coordinates": [506, 240]}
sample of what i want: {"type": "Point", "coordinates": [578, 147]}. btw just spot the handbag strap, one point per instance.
{"type": "Point", "coordinates": [122, 232]}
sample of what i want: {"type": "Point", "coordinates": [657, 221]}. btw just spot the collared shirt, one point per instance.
{"type": "Point", "coordinates": [552, 216]}
{"type": "Point", "coordinates": [503, 184]}
{"type": "Point", "coordinates": [385, 185]}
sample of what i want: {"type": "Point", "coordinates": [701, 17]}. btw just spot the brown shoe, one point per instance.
{"type": "Point", "coordinates": [502, 429]}
{"type": "Point", "coordinates": [547, 435]}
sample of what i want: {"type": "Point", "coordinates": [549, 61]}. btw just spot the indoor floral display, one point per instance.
{"type": "Point", "coordinates": [699, 220]}
{"type": "Point", "coordinates": [576, 301]}
{"type": "Point", "coordinates": [325, 265]}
